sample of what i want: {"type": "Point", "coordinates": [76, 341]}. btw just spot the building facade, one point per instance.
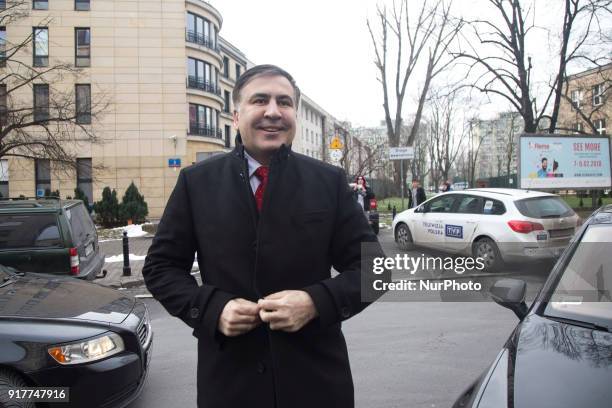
{"type": "Point", "coordinates": [495, 142]}
{"type": "Point", "coordinates": [585, 107]}
{"type": "Point", "coordinates": [166, 76]}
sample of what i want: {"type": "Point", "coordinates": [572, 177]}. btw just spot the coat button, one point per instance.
{"type": "Point", "coordinates": [345, 312]}
{"type": "Point", "coordinates": [261, 367]}
{"type": "Point", "coordinates": [194, 313]}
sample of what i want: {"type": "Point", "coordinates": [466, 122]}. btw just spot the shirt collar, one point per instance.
{"type": "Point", "coordinates": [253, 164]}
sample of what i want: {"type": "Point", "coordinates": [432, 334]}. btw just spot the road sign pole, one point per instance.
{"type": "Point", "coordinates": [402, 181]}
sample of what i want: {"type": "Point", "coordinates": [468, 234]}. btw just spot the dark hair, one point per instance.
{"type": "Point", "coordinates": [263, 70]}
{"type": "Point", "coordinates": [544, 158]}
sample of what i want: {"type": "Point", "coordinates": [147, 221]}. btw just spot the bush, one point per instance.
{"type": "Point", "coordinates": [49, 193]}
{"type": "Point", "coordinates": [133, 206]}
{"type": "Point", "coordinates": [107, 209]}
{"type": "Point", "coordinates": [80, 195]}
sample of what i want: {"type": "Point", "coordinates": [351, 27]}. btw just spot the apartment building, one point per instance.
{"type": "Point", "coordinates": [586, 107]}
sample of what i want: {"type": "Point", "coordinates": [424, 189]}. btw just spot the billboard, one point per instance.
{"type": "Point", "coordinates": [564, 162]}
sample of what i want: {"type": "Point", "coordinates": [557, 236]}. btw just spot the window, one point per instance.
{"type": "Point", "coordinates": [81, 5]}
{"type": "Point", "coordinates": [29, 230]}
{"type": "Point", "coordinates": [83, 103]}
{"type": "Point", "coordinates": [43, 176]}
{"type": "Point", "coordinates": [443, 204]}
{"type": "Point", "coordinates": [4, 178]}
{"type": "Point", "coordinates": [203, 121]}
{"type": "Point", "coordinates": [40, 5]}
{"type": "Point", "coordinates": [225, 67]}
{"type": "Point", "coordinates": [228, 135]}
{"type": "Point", "coordinates": [600, 126]}
{"type": "Point", "coordinates": [238, 69]}
{"type": "Point", "coordinates": [202, 76]}
{"type": "Point", "coordinates": [82, 42]}
{"type": "Point", "coordinates": [3, 106]}
{"type": "Point", "coordinates": [578, 127]}
{"type": "Point", "coordinates": [84, 178]}
{"type": "Point", "coordinates": [226, 99]}
{"type": "Point", "coordinates": [493, 207]}
{"type": "Point", "coordinates": [2, 4]}
{"type": "Point", "coordinates": [3, 46]}
{"type": "Point", "coordinates": [41, 46]}
{"type": "Point", "coordinates": [201, 31]}
{"type": "Point", "coordinates": [598, 91]}
{"type": "Point", "coordinates": [41, 102]}
{"type": "Point", "coordinates": [576, 96]}
{"type": "Point", "coordinates": [470, 205]}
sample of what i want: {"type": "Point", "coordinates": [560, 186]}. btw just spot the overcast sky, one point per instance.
{"type": "Point", "coordinates": [325, 45]}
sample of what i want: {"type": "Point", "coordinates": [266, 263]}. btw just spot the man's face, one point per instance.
{"type": "Point", "coordinates": [415, 184]}
{"type": "Point", "coordinates": [544, 164]}
{"type": "Point", "coordinates": [266, 115]}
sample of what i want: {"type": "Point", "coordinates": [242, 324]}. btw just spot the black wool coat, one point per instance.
{"type": "Point", "coordinates": [309, 222]}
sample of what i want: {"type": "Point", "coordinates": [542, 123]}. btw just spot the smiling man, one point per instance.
{"type": "Point", "coordinates": [267, 225]}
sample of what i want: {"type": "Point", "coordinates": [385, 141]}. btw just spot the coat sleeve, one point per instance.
{"type": "Point", "coordinates": [167, 268]}
{"type": "Point", "coordinates": [340, 297]}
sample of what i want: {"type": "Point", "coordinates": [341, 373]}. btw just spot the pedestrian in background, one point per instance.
{"type": "Point", "coordinates": [267, 225]}
{"type": "Point", "coordinates": [363, 192]}
{"type": "Point", "coordinates": [416, 195]}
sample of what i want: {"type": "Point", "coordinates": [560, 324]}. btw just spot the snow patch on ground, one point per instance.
{"type": "Point", "coordinates": [134, 230]}
{"type": "Point", "coordinates": [119, 258]}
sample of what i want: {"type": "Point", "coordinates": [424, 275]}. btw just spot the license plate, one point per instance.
{"type": "Point", "coordinates": [89, 249]}
{"type": "Point", "coordinates": [542, 237]}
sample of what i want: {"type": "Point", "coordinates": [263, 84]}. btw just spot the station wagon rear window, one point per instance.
{"type": "Point", "coordinates": [544, 207]}
{"type": "Point", "coordinates": [28, 231]}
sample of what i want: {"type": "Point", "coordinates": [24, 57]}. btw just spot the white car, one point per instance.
{"type": "Point", "coordinates": [495, 224]}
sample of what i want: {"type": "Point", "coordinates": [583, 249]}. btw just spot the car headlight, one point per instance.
{"type": "Point", "coordinates": [88, 350]}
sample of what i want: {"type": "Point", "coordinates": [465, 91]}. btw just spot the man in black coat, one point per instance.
{"type": "Point", "coordinates": [267, 225]}
{"type": "Point", "coordinates": [416, 195]}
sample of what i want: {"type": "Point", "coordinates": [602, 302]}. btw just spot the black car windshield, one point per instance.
{"type": "Point", "coordinates": [584, 292]}
{"type": "Point", "coordinates": [544, 207]}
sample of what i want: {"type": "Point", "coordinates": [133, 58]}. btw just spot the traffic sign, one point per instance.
{"type": "Point", "coordinates": [336, 155]}
{"type": "Point", "coordinates": [401, 153]}
{"type": "Point", "coordinates": [335, 143]}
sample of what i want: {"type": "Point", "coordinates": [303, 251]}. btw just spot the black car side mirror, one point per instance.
{"type": "Point", "coordinates": [510, 293]}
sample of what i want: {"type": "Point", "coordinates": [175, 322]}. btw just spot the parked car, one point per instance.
{"type": "Point", "coordinates": [56, 331]}
{"type": "Point", "coordinates": [49, 235]}
{"type": "Point", "coordinates": [560, 354]}
{"type": "Point", "coordinates": [495, 224]}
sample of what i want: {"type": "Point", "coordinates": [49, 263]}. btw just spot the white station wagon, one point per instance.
{"type": "Point", "coordinates": [495, 224]}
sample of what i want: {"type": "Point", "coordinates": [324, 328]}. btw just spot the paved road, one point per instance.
{"type": "Point", "coordinates": [403, 354]}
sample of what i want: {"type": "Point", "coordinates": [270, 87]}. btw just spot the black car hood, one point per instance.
{"type": "Point", "coordinates": [46, 296]}
{"type": "Point", "coordinates": [559, 365]}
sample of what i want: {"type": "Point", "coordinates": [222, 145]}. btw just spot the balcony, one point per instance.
{"type": "Point", "coordinates": [200, 39]}
{"type": "Point", "coordinates": [206, 86]}
{"type": "Point", "coordinates": [208, 131]}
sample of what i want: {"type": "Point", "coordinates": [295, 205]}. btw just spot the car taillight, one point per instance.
{"type": "Point", "coordinates": [525, 227]}
{"type": "Point", "coordinates": [373, 204]}
{"type": "Point", "coordinates": [74, 261]}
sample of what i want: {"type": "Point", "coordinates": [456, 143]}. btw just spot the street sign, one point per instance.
{"type": "Point", "coordinates": [335, 143]}
{"type": "Point", "coordinates": [401, 153]}
{"type": "Point", "coordinates": [174, 163]}
{"type": "Point", "coordinates": [336, 155]}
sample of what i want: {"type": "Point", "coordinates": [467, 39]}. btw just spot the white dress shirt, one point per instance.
{"type": "Point", "coordinates": [253, 165]}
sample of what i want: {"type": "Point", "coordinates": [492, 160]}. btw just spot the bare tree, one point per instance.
{"type": "Point", "coordinates": [500, 54]}
{"type": "Point", "coordinates": [447, 134]}
{"type": "Point", "coordinates": [54, 126]}
{"type": "Point", "coordinates": [432, 32]}
{"type": "Point", "coordinates": [474, 140]}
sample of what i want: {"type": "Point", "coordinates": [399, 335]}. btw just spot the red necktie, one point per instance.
{"type": "Point", "coordinates": [262, 175]}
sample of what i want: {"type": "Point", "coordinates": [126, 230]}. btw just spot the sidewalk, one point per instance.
{"type": "Point", "coordinates": [113, 251]}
